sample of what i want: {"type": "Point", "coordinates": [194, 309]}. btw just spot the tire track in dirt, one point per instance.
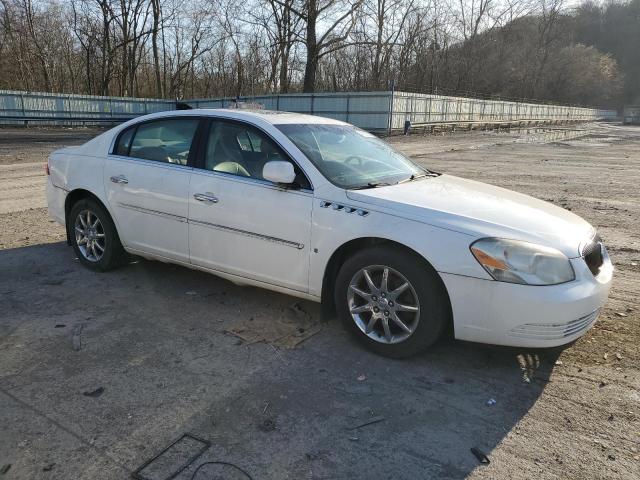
{"type": "Point", "coordinates": [22, 187]}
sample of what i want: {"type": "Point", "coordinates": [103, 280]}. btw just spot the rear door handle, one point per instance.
{"type": "Point", "coordinates": [205, 197]}
{"type": "Point", "coordinates": [119, 179]}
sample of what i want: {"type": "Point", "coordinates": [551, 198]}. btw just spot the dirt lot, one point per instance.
{"type": "Point", "coordinates": [99, 372]}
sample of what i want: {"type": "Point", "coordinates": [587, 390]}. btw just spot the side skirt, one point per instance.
{"type": "Point", "coordinates": [237, 279]}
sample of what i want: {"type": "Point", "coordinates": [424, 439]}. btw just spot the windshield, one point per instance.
{"type": "Point", "coordinates": [350, 157]}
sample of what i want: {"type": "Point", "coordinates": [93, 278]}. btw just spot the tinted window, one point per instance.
{"type": "Point", "coordinates": [124, 142]}
{"type": "Point", "coordinates": [164, 140]}
{"type": "Point", "coordinates": [243, 150]}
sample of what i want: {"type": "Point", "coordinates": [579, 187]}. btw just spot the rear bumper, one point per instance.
{"type": "Point", "coordinates": [501, 313]}
{"type": "Point", "coordinates": [55, 202]}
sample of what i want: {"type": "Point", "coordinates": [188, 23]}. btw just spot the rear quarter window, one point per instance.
{"type": "Point", "coordinates": [124, 142]}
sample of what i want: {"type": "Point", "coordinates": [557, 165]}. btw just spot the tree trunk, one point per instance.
{"type": "Point", "coordinates": [284, 71]}
{"type": "Point", "coordinates": [311, 67]}
{"type": "Point", "coordinates": [154, 45]}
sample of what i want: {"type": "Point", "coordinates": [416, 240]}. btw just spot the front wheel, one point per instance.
{"type": "Point", "coordinates": [392, 300]}
{"type": "Point", "coordinates": [94, 236]}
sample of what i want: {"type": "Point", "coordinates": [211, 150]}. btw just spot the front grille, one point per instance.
{"type": "Point", "coordinates": [557, 331]}
{"type": "Point", "coordinates": [593, 255]}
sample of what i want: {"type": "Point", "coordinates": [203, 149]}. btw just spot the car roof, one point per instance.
{"type": "Point", "coordinates": [273, 117]}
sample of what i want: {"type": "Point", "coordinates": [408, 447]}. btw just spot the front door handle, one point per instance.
{"type": "Point", "coordinates": [205, 197]}
{"type": "Point", "coordinates": [119, 179]}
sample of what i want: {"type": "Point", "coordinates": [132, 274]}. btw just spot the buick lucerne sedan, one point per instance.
{"type": "Point", "coordinates": [321, 210]}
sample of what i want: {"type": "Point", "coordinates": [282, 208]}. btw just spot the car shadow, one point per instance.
{"type": "Point", "coordinates": [156, 338]}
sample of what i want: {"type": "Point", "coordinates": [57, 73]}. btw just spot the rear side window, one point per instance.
{"type": "Point", "coordinates": [167, 140]}
{"type": "Point", "coordinates": [124, 142]}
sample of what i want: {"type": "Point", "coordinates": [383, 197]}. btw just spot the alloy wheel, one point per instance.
{"type": "Point", "coordinates": [90, 235]}
{"type": "Point", "coordinates": [383, 304]}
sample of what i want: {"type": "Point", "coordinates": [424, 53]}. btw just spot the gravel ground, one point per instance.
{"type": "Point", "coordinates": [99, 372]}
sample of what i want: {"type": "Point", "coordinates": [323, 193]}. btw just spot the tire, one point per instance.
{"type": "Point", "coordinates": [96, 244]}
{"type": "Point", "coordinates": [420, 329]}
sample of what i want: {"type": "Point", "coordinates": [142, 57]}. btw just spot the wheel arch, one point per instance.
{"type": "Point", "coordinates": [73, 197]}
{"type": "Point", "coordinates": [349, 248]}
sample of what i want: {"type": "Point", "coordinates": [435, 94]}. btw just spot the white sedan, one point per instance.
{"type": "Point", "coordinates": [319, 209]}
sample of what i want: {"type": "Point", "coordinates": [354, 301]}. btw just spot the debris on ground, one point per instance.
{"type": "Point", "coordinates": [48, 467]}
{"type": "Point", "coordinates": [559, 362]}
{"type": "Point", "coordinates": [94, 393]}
{"type": "Point", "coordinates": [77, 337]}
{"type": "Point", "coordinates": [481, 456]}
{"type": "Point", "coordinates": [293, 326]}
{"type": "Point", "coordinates": [618, 356]}
{"type": "Point", "coordinates": [59, 325]}
{"type": "Point", "coordinates": [5, 468]}
{"type": "Point", "coordinates": [491, 402]}
{"type": "Point", "coordinates": [362, 378]}
{"type": "Point", "coordinates": [267, 425]}
{"type": "Point", "coordinates": [371, 421]}
{"type": "Point", "coordinates": [621, 314]}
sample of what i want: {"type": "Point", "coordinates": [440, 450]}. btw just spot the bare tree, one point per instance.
{"type": "Point", "coordinates": [340, 18]}
{"type": "Point", "coordinates": [196, 48]}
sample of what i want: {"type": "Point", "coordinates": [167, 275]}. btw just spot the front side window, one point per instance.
{"type": "Point", "coordinates": [349, 157]}
{"type": "Point", "coordinates": [167, 140]}
{"type": "Point", "coordinates": [242, 150]}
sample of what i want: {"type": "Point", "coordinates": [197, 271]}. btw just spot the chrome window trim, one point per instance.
{"type": "Point", "coordinates": [153, 163]}
{"type": "Point", "coordinates": [251, 181]}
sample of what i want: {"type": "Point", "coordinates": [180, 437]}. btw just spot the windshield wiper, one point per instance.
{"type": "Point", "coordinates": [371, 185]}
{"type": "Point", "coordinates": [417, 176]}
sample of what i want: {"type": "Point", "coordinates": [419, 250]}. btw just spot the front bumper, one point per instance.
{"type": "Point", "coordinates": [501, 313]}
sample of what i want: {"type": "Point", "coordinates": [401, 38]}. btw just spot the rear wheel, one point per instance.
{"type": "Point", "coordinates": [392, 300]}
{"type": "Point", "coordinates": [94, 236]}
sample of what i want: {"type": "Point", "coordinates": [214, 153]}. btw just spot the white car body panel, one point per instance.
{"type": "Point", "coordinates": [260, 234]}
{"type": "Point", "coordinates": [151, 210]}
{"type": "Point", "coordinates": [254, 230]}
{"type": "Point", "coordinates": [480, 209]}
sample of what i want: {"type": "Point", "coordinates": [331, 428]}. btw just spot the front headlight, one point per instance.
{"type": "Point", "coordinates": [514, 261]}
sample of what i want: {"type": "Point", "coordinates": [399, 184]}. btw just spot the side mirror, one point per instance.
{"type": "Point", "coordinates": [278, 171]}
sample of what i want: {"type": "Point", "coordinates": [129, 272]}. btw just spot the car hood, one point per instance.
{"type": "Point", "coordinates": [482, 210]}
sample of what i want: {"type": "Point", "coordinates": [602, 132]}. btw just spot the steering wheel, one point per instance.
{"type": "Point", "coordinates": [354, 159]}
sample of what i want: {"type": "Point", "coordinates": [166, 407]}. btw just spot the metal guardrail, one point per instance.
{"type": "Point", "coordinates": [25, 120]}
{"type": "Point", "coordinates": [383, 111]}
{"type": "Point", "coordinates": [495, 124]}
